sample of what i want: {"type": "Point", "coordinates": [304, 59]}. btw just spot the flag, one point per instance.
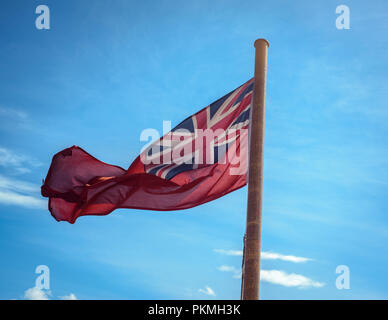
{"type": "Point", "coordinates": [201, 159]}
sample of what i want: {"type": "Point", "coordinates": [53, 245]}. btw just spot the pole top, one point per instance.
{"type": "Point", "coordinates": [260, 41]}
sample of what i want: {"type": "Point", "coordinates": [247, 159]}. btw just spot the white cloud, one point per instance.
{"type": "Point", "coordinates": [14, 191]}
{"type": "Point", "coordinates": [8, 158]}
{"type": "Point", "coordinates": [266, 255]}
{"type": "Point", "coordinates": [208, 291]}
{"type": "Point", "coordinates": [277, 256]}
{"type": "Point", "coordinates": [19, 163]}
{"type": "Point", "coordinates": [71, 296]}
{"type": "Point", "coordinates": [36, 294]}
{"type": "Point", "coordinates": [21, 193]}
{"type": "Point", "coordinates": [13, 198]}
{"type": "Point", "coordinates": [17, 185]}
{"type": "Point", "coordinates": [224, 268]}
{"type": "Point", "coordinates": [288, 279]}
{"type": "Point", "coordinates": [236, 272]}
{"type": "Point", "coordinates": [229, 252]}
{"type": "Point", "coordinates": [278, 277]}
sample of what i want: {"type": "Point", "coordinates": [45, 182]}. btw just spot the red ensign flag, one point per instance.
{"type": "Point", "coordinates": [201, 159]}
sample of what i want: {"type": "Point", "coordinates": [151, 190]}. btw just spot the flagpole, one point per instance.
{"type": "Point", "coordinates": [252, 238]}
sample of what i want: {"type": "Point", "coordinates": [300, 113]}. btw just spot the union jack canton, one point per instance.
{"type": "Point", "coordinates": [204, 138]}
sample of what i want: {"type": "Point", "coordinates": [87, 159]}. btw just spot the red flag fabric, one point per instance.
{"type": "Point", "coordinates": [201, 159]}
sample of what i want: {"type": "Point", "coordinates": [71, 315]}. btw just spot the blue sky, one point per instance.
{"type": "Point", "coordinates": [105, 71]}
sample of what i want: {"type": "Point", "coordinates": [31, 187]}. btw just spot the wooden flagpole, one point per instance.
{"type": "Point", "coordinates": [252, 238]}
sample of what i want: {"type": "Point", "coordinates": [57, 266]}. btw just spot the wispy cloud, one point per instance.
{"type": "Point", "coordinates": [13, 118]}
{"type": "Point", "coordinates": [21, 193]}
{"type": "Point", "coordinates": [277, 256]}
{"type": "Point", "coordinates": [236, 272]}
{"type": "Point", "coordinates": [278, 277]}
{"type": "Point", "coordinates": [208, 291]}
{"type": "Point", "coordinates": [17, 185]}
{"type": "Point", "coordinates": [288, 279]}
{"type": "Point", "coordinates": [15, 191]}
{"type": "Point", "coordinates": [16, 162]}
{"type": "Point", "coordinates": [266, 255]}
{"type": "Point", "coordinates": [13, 198]}
{"type": "Point", "coordinates": [8, 158]}
{"type": "Point", "coordinates": [229, 252]}
{"type": "Point", "coordinates": [12, 113]}
{"type": "Point", "coordinates": [224, 268]}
